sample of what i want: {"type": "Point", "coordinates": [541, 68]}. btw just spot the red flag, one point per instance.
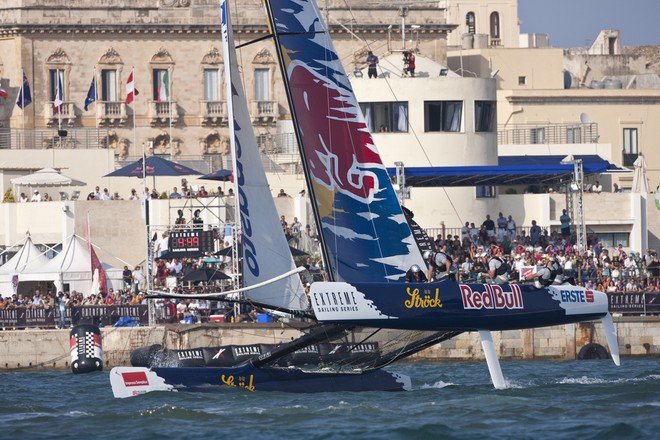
{"type": "Point", "coordinates": [96, 265]}
{"type": "Point", "coordinates": [3, 93]}
{"type": "Point", "coordinates": [131, 91]}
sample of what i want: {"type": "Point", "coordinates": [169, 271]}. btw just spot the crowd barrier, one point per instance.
{"type": "Point", "coordinates": [626, 303]}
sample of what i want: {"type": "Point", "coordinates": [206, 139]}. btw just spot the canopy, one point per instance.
{"type": "Point", "coordinates": [205, 274]}
{"type": "Point", "coordinates": [156, 166]}
{"type": "Point", "coordinates": [220, 175]}
{"type": "Point", "coordinates": [45, 177]}
{"type": "Point", "coordinates": [511, 170]}
{"type": "Point", "coordinates": [27, 256]}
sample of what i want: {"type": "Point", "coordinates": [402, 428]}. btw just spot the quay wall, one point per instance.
{"type": "Point", "coordinates": [33, 349]}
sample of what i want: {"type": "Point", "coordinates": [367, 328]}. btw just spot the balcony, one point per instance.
{"type": "Point", "coordinates": [163, 113]}
{"type": "Point", "coordinates": [66, 116]}
{"type": "Point", "coordinates": [525, 134]}
{"type": "Point", "coordinates": [111, 113]}
{"type": "Point", "coordinates": [214, 113]}
{"type": "Point", "coordinates": [263, 112]}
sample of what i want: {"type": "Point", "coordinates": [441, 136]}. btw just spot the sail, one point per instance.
{"type": "Point", "coordinates": [265, 250]}
{"type": "Point", "coordinates": [362, 226]}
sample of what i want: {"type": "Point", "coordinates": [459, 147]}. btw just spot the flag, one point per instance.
{"type": "Point", "coordinates": [3, 92]}
{"type": "Point", "coordinates": [96, 263]}
{"type": "Point", "coordinates": [59, 94]}
{"type": "Point", "coordinates": [24, 96]}
{"type": "Point", "coordinates": [91, 94]}
{"type": "Point", "coordinates": [131, 91]}
{"type": "Point", "coordinates": [164, 87]}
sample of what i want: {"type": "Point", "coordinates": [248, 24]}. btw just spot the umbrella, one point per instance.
{"type": "Point", "coordinates": [225, 252]}
{"type": "Point", "coordinates": [221, 175]}
{"type": "Point", "coordinates": [45, 177]}
{"type": "Point", "coordinates": [640, 182]}
{"type": "Point", "coordinates": [205, 274]}
{"type": "Point", "coordinates": [156, 166]}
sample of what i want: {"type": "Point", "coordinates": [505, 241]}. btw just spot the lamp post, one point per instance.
{"type": "Point", "coordinates": [574, 195]}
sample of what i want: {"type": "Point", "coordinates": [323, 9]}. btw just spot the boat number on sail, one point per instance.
{"type": "Point", "coordinates": [423, 301]}
{"type": "Point", "coordinates": [243, 382]}
{"type": "Point", "coordinates": [493, 297]}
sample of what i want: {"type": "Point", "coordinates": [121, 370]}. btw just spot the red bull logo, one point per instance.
{"type": "Point", "coordinates": [339, 148]}
{"type": "Point", "coordinates": [492, 297]}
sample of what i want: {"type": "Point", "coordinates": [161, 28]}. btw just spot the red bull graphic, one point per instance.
{"type": "Point", "coordinates": [361, 221]}
{"type": "Point", "coordinates": [494, 296]}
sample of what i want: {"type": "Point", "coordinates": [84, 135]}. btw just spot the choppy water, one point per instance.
{"type": "Point", "coordinates": [558, 400]}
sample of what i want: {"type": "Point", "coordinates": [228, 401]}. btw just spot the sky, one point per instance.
{"type": "Point", "coordinates": [576, 23]}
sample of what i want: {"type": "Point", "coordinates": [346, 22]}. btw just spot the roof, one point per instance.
{"type": "Point", "coordinates": [511, 170]}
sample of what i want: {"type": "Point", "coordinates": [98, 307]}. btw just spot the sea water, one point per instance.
{"type": "Point", "coordinates": [451, 400]}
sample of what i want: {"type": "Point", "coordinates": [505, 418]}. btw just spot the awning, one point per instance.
{"type": "Point", "coordinates": [511, 170]}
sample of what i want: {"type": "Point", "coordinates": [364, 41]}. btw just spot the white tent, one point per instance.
{"type": "Point", "coordinates": [45, 177]}
{"type": "Point", "coordinates": [72, 267]}
{"type": "Point", "coordinates": [27, 256]}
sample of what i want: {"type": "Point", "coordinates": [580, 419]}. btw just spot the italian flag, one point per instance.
{"type": "Point", "coordinates": [164, 87]}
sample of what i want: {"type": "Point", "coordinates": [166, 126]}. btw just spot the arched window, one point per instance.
{"type": "Point", "coordinates": [471, 22]}
{"type": "Point", "coordinates": [495, 25]}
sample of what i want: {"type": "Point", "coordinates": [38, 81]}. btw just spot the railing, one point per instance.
{"type": "Point", "coordinates": [160, 113]}
{"type": "Point", "coordinates": [111, 113]}
{"type": "Point", "coordinates": [525, 134]}
{"type": "Point", "coordinates": [37, 139]}
{"type": "Point", "coordinates": [214, 112]}
{"type": "Point", "coordinates": [264, 111]}
{"type": "Point", "coordinates": [66, 115]}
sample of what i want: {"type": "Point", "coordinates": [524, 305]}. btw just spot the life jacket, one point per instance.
{"type": "Point", "coordinates": [504, 266]}
{"type": "Point", "coordinates": [441, 267]}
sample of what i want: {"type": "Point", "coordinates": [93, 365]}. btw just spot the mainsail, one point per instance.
{"type": "Point", "coordinates": [361, 225]}
{"type": "Point", "coordinates": [265, 250]}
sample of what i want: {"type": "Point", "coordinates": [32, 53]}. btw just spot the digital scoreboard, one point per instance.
{"type": "Point", "coordinates": [191, 243]}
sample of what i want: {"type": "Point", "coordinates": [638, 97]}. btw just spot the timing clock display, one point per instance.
{"type": "Point", "coordinates": [191, 243]}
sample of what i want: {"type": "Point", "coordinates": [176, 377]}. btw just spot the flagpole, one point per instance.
{"type": "Point", "coordinates": [96, 102]}
{"type": "Point", "coordinates": [23, 107]}
{"type": "Point", "coordinates": [134, 127]}
{"type": "Point", "coordinates": [169, 105]}
{"type": "Point", "coordinates": [59, 92]}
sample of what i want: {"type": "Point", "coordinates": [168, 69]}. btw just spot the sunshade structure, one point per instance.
{"type": "Point", "coordinates": [155, 166]}
{"type": "Point", "coordinates": [511, 170]}
{"type": "Point", "coordinates": [45, 177]}
{"type": "Point", "coordinates": [219, 175]}
{"type": "Point", "coordinates": [640, 182]}
{"type": "Point", "coordinates": [205, 274]}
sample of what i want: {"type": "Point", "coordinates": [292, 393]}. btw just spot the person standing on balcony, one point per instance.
{"type": "Point", "coordinates": [565, 221]}
{"type": "Point", "coordinates": [597, 188]}
{"type": "Point", "coordinates": [372, 62]}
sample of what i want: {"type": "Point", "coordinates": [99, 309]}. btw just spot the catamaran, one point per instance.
{"type": "Point", "coordinates": [366, 243]}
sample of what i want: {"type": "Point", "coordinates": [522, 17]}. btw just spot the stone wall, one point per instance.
{"type": "Point", "coordinates": [49, 349]}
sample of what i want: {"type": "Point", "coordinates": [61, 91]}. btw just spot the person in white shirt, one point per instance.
{"type": "Point", "coordinates": [105, 195]}
{"type": "Point", "coordinates": [36, 197]}
{"type": "Point", "coordinates": [597, 188]}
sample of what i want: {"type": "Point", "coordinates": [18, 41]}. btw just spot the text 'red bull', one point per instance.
{"type": "Point", "coordinates": [493, 297]}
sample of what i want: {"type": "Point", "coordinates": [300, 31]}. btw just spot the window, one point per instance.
{"type": "Point", "coordinates": [442, 116]}
{"type": "Point", "coordinates": [485, 192]}
{"type": "Point", "coordinates": [159, 75]}
{"type": "Point", "coordinates": [53, 75]}
{"type": "Point", "coordinates": [522, 80]}
{"type": "Point", "coordinates": [495, 25]}
{"type": "Point", "coordinates": [109, 85]}
{"type": "Point", "coordinates": [574, 135]}
{"type": "Point", "coordinates": [537, 135]}
{"type": "Point", "coordinates": [262, 84]}
{"type": "Point", "coordinates": [211, 85]}
{"type": "Point", "coordinates": [484, 116]}
{"type": "Point", "coordinates": [630, 147]}
{"type": "Point", "coordinates": [386, 117]}
{"type": "Point", "coordinates": [613, 239]}
{"type": "Point", "coordinates": [471, 23]}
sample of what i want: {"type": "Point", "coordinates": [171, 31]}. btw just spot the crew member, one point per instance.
{"type": "Point", "coordinates": [439, 266]}
{"type": "Point", "coordinates": [557, 272]}
{"type": "Point", "coordinates": [543, 276]}
{"type": "Point", "coordinates": [415, 275]}
{"type": "Point", "coordinates": [498, 269]}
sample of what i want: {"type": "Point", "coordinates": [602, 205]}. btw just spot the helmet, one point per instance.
{"type": "Point", "coordinates": [428, 254]}
{"type": "Point", "coordinates": [415, 268]}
